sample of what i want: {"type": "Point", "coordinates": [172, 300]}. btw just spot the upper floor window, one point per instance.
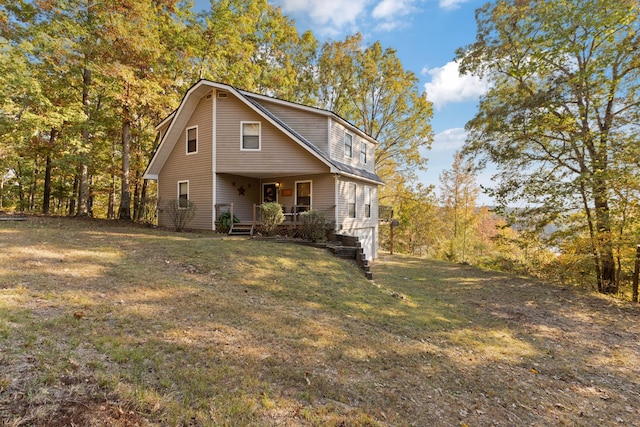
{"type": "Point", "coordinates": [367, 202]}
{"type": "Point", "coordinates": [250, 135]}
{"type": "Point", "coordinates": [192, 140]}
{"type": "Point", "coordinates": [348, 145]}
{"type": "Point", "coordinates": [363, 153]}
{"type": "Point", "coordinates": [351, 206]}
{"type": "Point", "coordinates": [183, 194]}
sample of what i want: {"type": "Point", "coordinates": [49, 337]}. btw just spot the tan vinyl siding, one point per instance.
{"type": "Point", "coordinates": [343, 198]}
{"type": "Point", "coordinates": [312, 126]}
{"type": "Point", "coordinates": [365, 228]}
{"type": "Point", "coordinates": [337, 147]}
{"type": "Point", "coordinates": [195, 168]}
{"type": "Point", "coordinates": [228, 189]}
{"type": "Point", "coordinates": [322, 190]}
{"type": "Point", "coordinates": [277, 151]}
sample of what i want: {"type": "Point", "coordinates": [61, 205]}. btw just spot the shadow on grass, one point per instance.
{"type": "Point", "coordinates": [192, 328]}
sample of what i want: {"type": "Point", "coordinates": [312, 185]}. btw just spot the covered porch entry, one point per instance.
{"type": "Point", "coordinates": [240, 197]}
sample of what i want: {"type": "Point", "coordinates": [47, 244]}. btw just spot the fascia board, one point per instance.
{"type": "Point", "coordinates": [178, 120]}
{"type": "Point", "coordinates": [319, 111]}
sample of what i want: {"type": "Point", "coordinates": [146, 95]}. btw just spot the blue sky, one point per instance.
{"type": "Point", "coordinates": [425, 34]}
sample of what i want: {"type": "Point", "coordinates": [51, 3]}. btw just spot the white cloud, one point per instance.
{"type": "Point", "coordinates": [449, 140]}
{"type": "Point", "coordinates": [393, 14]}
{"type": "Point", "coordinates": [333, 17]}
{"type": "Point", "coordinates": [336, 13]}
{"type": "Point", "coordinates": [389, 9]}
{"type": "Point", "coordinates": [451, 4]}
{"type": "Point", "coordinates": [447, 85]}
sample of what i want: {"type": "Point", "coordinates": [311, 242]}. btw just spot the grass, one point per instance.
{"type": "Point", "coordinates": [107, 324]}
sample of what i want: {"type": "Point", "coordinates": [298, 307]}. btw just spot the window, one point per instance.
{"type": "Point", "coordinates": [250, 135]}
{"type": "Point", "coordinates": [363, 153]}
{"type": "Point", "coordinates": [303, 196]}
{"type": "Point", "coordinates": [183, 194]}
{"type": "Point", "coordinates": [348, 145]}
{"type": "Point", "coordinates": [351, 206]}
{"type": "Point", "coordinates": [367, 202]}
{"type": "Point", "coordinates": [192, 140]}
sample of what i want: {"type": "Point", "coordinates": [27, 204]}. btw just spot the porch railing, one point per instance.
{"type": "Point", "coordinates": [293, 214]}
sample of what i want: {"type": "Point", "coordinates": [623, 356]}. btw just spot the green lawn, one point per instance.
{"type": "Point", "coordinates": [107, 324]}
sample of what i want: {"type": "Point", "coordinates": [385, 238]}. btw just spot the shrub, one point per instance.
{"type": "Point", "coordinates": [149, 210]}
{"type": "Point", "coordinates": [314, 225]}
{"type": "Point", "coordinates": [181, 212]}
{"type": "Point", "coordinates": [224, 221]}
{"type": "Point", "coordinates": [272, 216]}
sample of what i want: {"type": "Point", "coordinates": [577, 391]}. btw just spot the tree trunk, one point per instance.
{"type": "Point", "coordinates": [636, 273]}
{"type": "Point", "coordinates": [137, 203]}
{"type": "Point", "coordinates": [34, 185]}
{"type": "Point", "coordinates": [125, 197]}
{"type": "Point", "coordinates": [111, 207]}
{"type": "Point", "coordinates": [20, 187]}
{"type": "Point", "coordinates": [608, 284]}
{"type": "Point", "coordinates": [46, 198]}
{"type": "Point", "coordinates": [72, 202]}
{"type": "Point", "coordinates": [83, 192]}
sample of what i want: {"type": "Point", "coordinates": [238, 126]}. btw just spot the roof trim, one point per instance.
{"type": "Point", "coordinates": [166, 120]}
{"type": "Point", "coordinates": [322, 111]}
{"type": "Point", "coordinates": [188, 104]}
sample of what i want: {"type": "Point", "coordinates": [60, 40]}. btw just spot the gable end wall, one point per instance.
{"type": "Point", "coordinates": [195, 168]}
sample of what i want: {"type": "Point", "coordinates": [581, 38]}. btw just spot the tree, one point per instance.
{"type": "Point", "coordinates": [251, 45]}
{"type": "Point", "coordinates": [561, 117]}
{"type": "Point", "coordinates": [459, 193]}
{"type": "Point", "coordinates": [369, 87]}
{"type": "Point", "coordinates": [135, 77]}
{"type": "Point", "coordinates": [37, 102]}
{"type": "Point", "coordinates": [420, 226]}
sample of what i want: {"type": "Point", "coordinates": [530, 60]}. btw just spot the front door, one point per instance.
{"type": "Point", "coordinates": [269, 193]}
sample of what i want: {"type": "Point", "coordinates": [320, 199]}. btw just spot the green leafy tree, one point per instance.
{"type": "Point", "coordinates": [135, 78]}
{"type": "Point", "coordinates": [560, 119]}
{"type": "Point", "coordinates": [369, 87]}
{"type": "Point", "coordinates": [420, 224]}
{"type": "Point", "coordinates": [253, 46]}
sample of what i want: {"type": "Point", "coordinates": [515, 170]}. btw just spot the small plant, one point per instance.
{"type": "Point", "coordinates": [272, 216]}
{"type": "Point", "coordinates": [181, 212]}
{"type": "Point", "coordinates": [224, 221]}
{"type": "Point", "coordinates": [149, 210]}
{"type": "Point", "coordinates": [314, 225]}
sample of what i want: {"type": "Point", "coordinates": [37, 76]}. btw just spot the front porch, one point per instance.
{"type": "Point", "coordinates": [294, 225]}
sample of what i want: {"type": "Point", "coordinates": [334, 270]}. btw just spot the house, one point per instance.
{"type": "Point", "coordinates": [227, 146]}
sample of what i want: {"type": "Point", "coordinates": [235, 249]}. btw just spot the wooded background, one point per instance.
{"type": "Point", "coordinates": [84, 83]}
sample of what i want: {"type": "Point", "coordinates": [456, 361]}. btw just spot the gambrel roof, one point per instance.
{"type": "Point", "coordinates": [177, 120]}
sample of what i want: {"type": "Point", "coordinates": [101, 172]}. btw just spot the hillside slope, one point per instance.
{"type": "Point", "coordinates": [105, 324]}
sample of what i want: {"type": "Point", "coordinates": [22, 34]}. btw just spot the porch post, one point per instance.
{"type": "Point", "coordinates": [255, 222]}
